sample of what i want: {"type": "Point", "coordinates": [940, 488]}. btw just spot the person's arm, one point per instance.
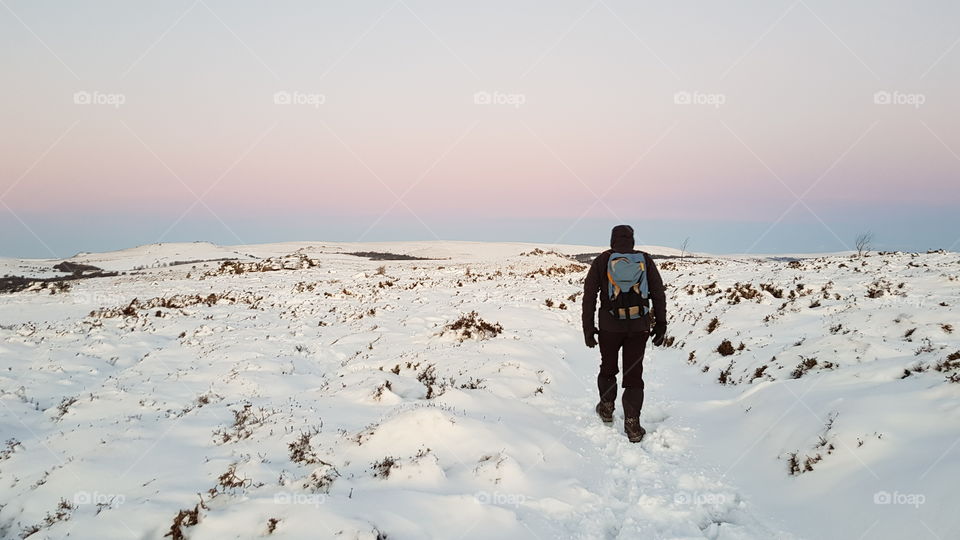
{"type": "Point", "coordinates": [657, 294]}
{"type": "Point", "coordinates": [591, 287]}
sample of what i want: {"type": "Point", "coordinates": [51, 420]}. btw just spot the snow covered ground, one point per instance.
{"type": "Point", "coordinates": [296, 391]}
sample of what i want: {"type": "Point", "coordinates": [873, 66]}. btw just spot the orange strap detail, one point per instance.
{"type": "Point", "coordinates": [616, 288]}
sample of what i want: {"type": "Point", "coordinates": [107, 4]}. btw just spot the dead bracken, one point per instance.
{"type": "Point", "coordinates": [301, 450]}
{"type": "Point", "coordinates": [297, 261]}
{"type": "Point", "coordinates": [807, 364]}
{"type": "Point", "coordinates": [177, 301]}
{"type": "Point", "coordinates": [572, 268]}
{"type": "Point", "coordinates": [382, 468]}
{"type": "Point", "coordinates": [471, 326]}
{"type": "Point", "coordinates": [714, 323]}
{"type": "Point", "coordinates": [183, 519]}
{"type": "Point", "coordinates": [245, 420]}
{"type": "Point", "coordinates": [725, 348]}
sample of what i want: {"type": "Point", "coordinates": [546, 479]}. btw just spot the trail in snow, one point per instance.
{"type": "Point", "coordinates": [658, 488]}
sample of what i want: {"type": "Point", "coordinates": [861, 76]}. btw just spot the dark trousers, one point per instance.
{"type": "Point", "coordinates": [632, 344]}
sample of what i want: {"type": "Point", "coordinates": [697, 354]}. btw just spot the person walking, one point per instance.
{"type": "Point", "coordinates": [627, 282]}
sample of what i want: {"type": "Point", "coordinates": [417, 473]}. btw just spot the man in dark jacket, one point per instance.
{"type": "Point", "coordinates": [615, 334]}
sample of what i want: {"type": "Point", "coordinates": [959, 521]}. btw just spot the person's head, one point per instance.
{"type": "Point", "coordinates": [621, 238]}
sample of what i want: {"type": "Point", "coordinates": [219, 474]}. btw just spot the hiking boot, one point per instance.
{"type": "Point", "coordinates": [605, 410]}
{"type": "Point", "coordinates": [635, 431]}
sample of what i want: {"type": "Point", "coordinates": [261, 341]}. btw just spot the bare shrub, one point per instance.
{"type": "Point", "coordinates": [822, 448]}
{"type": "Point", "coordinates": [428, 377]}
{"type": "Point", "coordinates": [744, 291]}
{"type": "Point", "coordinates": [724, 377]}
{"type": "Point", "coordinates": [301, 449]}
{"type": "Point", "coordinates": [793, 464]}
{"type": "Point", "coordinates": [807, 364]}
{"type": "Point", "coordinates": [776, 292]}
{"type": "Point", "coordinates": [382, 468]}
{"type": "Point", "coordinates": [320, 480]}
{"type": "Point", "coordinates": [296, 261]}
{"type": "Point", "coordinates": [863, 243]}
{"type": "Point", "coordinates": [245, 420]}
{"type": "Point", "coordinates": [471, 326]}
{"type": "Point", "coordinates": [183, 519]}
{"type": "Point", "coordinates": [950, 366]}
{"type": "Point", "coordinates": [714, 323]}
{"type": "Point", "coordinates": [557, 270]}
{"type": "Point", "coordinates": [64, 406]}
{"type": "Point", "coordinates": [378, 393]}
{"type": "Point", "coordinates": [59, 287]}
{"type": "Point", "coordinates": [62, 513]}
{"type": "Point", "coordinates": [878, 288]}
{"type": "Point", "coordinates": [177, 301]}
{"type": "Point", "coordinates": [473, 384]}
{"type": "Point", "coordinates": [229, 481]}
{"type": "Point", "coordinates": [11, 448]}
{"type": "Point", "coordinates": [758, 373]}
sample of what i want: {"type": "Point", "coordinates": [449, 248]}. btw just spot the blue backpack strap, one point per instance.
{"type": "Point", "coordinates": [644, 286]}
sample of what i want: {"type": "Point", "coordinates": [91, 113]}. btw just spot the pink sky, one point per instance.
{"type": "Point", "coordinates": [598, 97]}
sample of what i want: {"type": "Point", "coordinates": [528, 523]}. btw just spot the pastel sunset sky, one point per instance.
{"type": "Point", "coordinates": [760, 126]}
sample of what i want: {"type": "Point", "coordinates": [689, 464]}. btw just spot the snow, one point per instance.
{"type": "Point", "coordinates": [32, 268]}
{"type": "Point", "coordinates": [157, 255]}
{"type": "Point", "coordinates": [154, 255]}
{"type": "Point", "coordinates": [329, 395]}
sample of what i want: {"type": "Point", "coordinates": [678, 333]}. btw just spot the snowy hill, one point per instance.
{"type": "Point", "coordinates": [296, 391]}
{"type": "Point", "coordinates": [156, 255]}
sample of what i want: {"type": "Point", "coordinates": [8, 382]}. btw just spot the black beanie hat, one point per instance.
{"type": "Point", "coordinates": [621, 238]}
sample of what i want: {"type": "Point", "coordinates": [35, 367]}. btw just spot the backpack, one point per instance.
{"type": "Point", "coordinates": [628, 290]}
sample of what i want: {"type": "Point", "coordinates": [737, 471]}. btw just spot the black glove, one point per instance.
{"type": "Point", "coordinates": [659, 333]}
{"type": "Point", "coordinates": [588, 334]}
